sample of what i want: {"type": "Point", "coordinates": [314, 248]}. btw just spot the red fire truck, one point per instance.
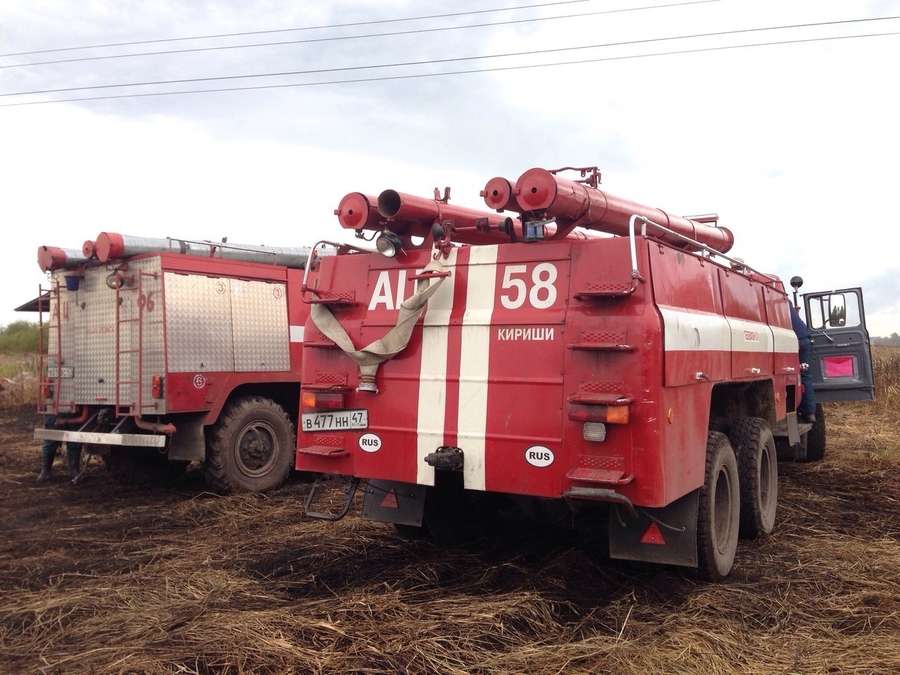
{"type": "Point", "coordinates": [165, 351]}
{"type": "Point", "coordinates": [590, 353]}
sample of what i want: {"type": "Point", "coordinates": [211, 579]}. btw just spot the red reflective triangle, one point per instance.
{"type": "Point", "coordinates": [390, 501]}
{"type": "Point", "coordinates": [653, 536]}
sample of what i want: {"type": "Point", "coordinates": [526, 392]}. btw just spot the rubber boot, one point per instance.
{"type": "Point", "coordinates": [74, 465]}
{"type": "Point", "coordinates": [46, 469]}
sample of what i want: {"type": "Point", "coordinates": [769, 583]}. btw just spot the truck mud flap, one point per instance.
{"type": "Point", "coordinates": [393, 502]}
{"type": "Point", "coordinates": [188, 443]}
{"type": "Point", "coordinates": [666, 535]}
{"type": "Point", "coordinates": [790, 438]}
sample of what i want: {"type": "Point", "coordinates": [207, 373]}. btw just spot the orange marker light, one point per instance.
{"type": "Point", "coordinates": [157, 386]}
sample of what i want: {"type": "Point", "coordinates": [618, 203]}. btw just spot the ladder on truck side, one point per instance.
{"type": "Point", "coordinates": [126, 284]}
{"type": "Point", "coordinates": [50, 384]}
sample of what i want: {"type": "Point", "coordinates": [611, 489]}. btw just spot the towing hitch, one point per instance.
{"type": "Point", "coordinates": [446, 457]}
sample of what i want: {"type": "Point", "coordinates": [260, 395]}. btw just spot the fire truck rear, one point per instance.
{"type": "Point", "coordinates": [640, 372]}
{"type": "Point", "coordinates": [164, 351]}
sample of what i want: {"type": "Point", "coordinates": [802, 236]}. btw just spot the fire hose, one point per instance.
{"type": "Point", "coordinates": [394, 342]}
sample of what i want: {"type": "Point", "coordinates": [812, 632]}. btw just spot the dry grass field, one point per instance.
{"type": "Point", "coordinates": [104, 578]}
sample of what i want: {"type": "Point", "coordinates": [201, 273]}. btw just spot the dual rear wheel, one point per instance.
{"type": "Point", "coordinates": [719, 513]}
{"type": "Point", "coordinates": [757, 461]}
{"type": "Point", "coordinates": [739, 494]}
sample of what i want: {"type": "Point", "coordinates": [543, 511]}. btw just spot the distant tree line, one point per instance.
{"type": "Point", "coordinates": [20, 337]}
{"type": "Point", "coordinates": [893, 340]}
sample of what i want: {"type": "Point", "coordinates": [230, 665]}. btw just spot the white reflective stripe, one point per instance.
{"type": "Point", "coordinates": [296, 333]}
{"type": "Point", "coordinates": [750, 336]}
{"type": "Point", "coordinates": [432, 399]}
{"type": "Point", "coordinates": [693, 331]}
{"type": "Point", "coordinates": [785, 340]}
{"type": "Point", "coordinates": [474, 357]}
{"type": "Point", "coordinates": [432, 404]}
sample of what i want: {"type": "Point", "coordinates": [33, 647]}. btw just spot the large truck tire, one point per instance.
{"type": "Point", "coordinates": [719, 513]}
{"type": "Point", "coordinates": [815, 437]}
{"type": "Point", "coordinates": [142, 466]}
{"type": "Point", "coordinates": [757, 461]}
{"type": "Point", "coordinates": [250, 448]}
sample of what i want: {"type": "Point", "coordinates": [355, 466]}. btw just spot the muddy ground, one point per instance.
{"type": "Point", "coordinates": [106, 578]}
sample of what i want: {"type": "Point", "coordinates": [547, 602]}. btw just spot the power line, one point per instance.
{"type": "Point", "coordinates": [339, 38]}
{"type": "Point", "coordinates": [457, 72]}
{"type": "Point", "coordinates": [322, 71]}
{"type": "Point", "coordinates": [354, 24]}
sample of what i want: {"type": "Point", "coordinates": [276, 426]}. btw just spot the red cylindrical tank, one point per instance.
{"type": "Point", "coordinates": [358, 212]}
{"type": "Point", "coordinates": [498, 195]}
{"type": "Point", "coordinates": [575, 204]}
{"type": "Point", "coordinates": [52, 258]}
{"type": "Point", "coordinates": [413, 216]}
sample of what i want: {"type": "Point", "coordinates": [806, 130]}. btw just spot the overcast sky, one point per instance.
{"type": "Point", "coordinates": [781, 116]}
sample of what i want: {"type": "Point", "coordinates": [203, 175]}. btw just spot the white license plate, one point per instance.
{"type": "Point", "coordinates": [64, 372]}
{"type": "Point", "coordinates": [340, 420]}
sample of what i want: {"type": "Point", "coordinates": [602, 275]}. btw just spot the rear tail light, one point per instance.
{"type": "Point", "coordinates": [608, 414]}
{"type": "Point", "coordinates": [47, 390]}
{"type": "Point", "coordinates": [323, 400]}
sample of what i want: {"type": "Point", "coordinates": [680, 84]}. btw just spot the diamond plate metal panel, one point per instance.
{"type": "Point", "coordinates": [261, 333]}
{"type": "Point", "coordinates": [94, 312]}
{"type": "Point", "coordinates": [97, 340]}
{"type": "Point", "coordinates": [198, 323]}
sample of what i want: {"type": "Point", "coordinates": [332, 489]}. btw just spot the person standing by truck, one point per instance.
{"type": "Point", "coordinates": [49, 449]}
{"type": "Point", "coordinates": [807, 408]}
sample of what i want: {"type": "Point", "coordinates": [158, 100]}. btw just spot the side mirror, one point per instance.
{"type": "Point", "coordinates": [837, 315]}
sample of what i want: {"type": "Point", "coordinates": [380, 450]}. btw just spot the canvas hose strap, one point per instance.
{"type": "Point", "coordinates": [379, 351]}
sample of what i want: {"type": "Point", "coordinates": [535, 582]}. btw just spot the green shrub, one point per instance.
{"type": "Point", "coordinates": [20, 337]}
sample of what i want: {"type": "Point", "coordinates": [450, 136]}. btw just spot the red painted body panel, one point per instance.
{"type": "Point", "coordinates": [208, 391]}
{"type": "Point", "coordinates": [516, 334]}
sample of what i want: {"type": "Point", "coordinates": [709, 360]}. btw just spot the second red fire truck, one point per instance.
{"type": "Point", "coordinates": [163, 352]}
